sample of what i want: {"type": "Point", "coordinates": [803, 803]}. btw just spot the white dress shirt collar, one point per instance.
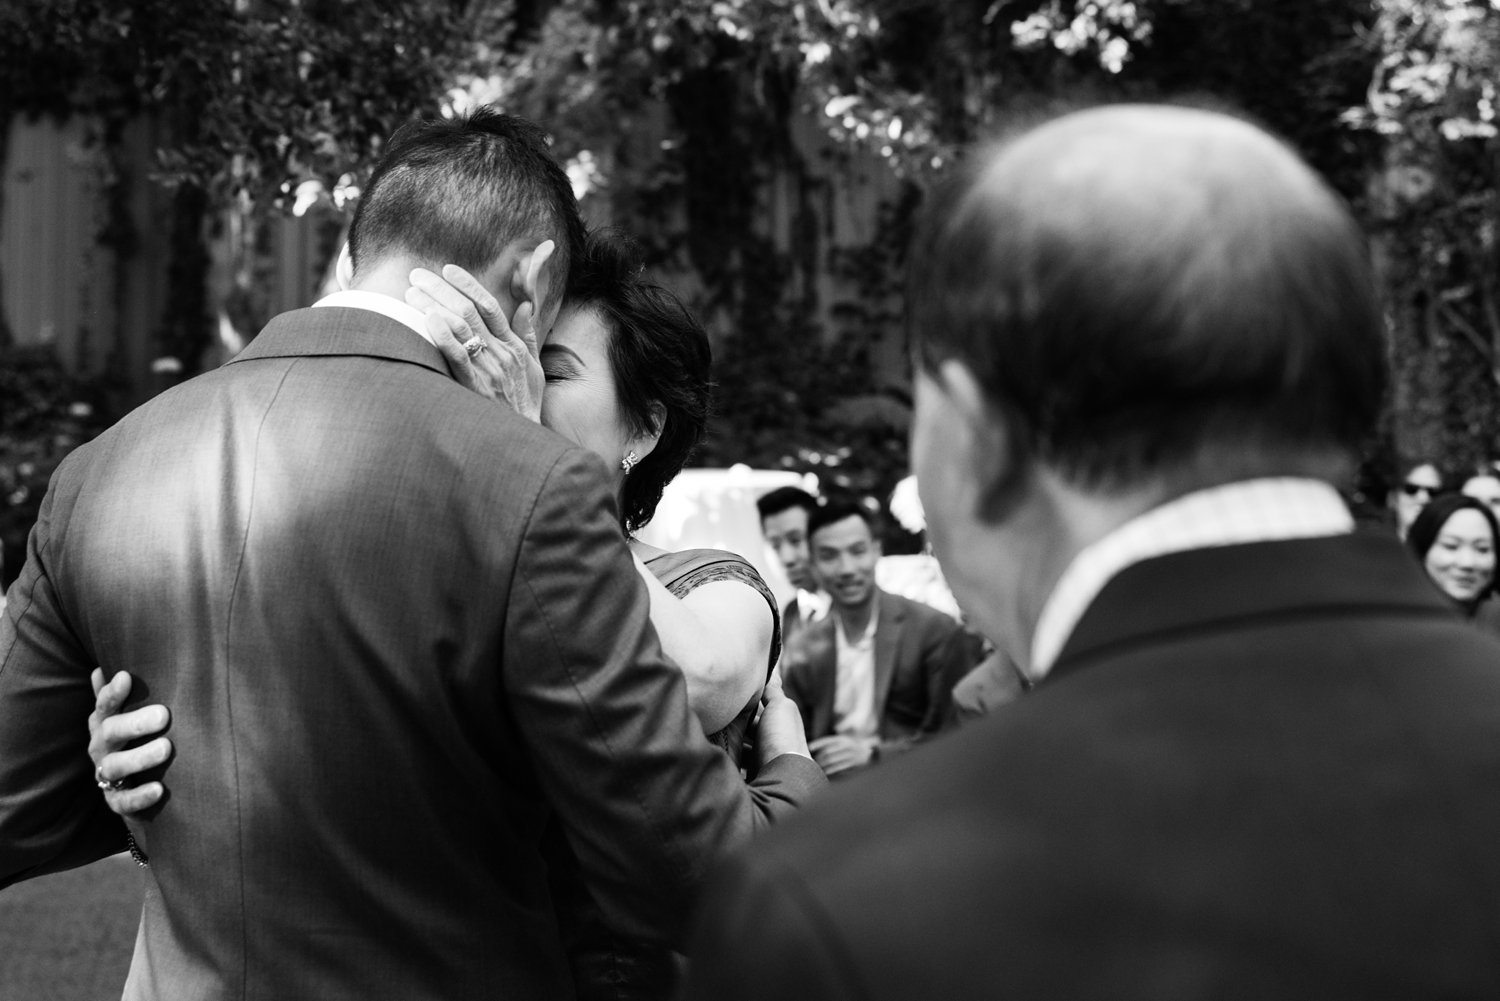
{"type": "Point", "coordinates": [1263, 510]}
{"type": "Point", "coordinates": [402, 312]}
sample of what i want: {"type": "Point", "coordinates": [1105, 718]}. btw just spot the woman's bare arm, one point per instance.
{"type": "Point", "coordinates": [720, 636]}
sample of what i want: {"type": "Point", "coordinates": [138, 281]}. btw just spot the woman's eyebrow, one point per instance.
{"type": "Point", "coordinates": [563, 349]}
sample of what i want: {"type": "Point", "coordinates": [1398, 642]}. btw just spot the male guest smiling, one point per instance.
{"type": "Point", "coordinates": [873, 676]}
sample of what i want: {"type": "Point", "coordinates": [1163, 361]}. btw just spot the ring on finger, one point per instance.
{"type": "Point", "coordinates": [106, 784]}
{"type": "Point", "coordinates": [474, 345]}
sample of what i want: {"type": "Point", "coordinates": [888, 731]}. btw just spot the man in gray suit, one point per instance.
{"type": "Point", "coordinates": [397, 627]}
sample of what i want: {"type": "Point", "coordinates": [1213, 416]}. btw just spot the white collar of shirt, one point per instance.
{"type": "Point", "coordinates": [868, 635]}
{"type": "Point", "coordinates": [1263, 510]}
{"type": "Point", "coordinates": [402, 312]}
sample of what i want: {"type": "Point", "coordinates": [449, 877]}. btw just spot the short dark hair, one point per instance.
{"type": "Point", "coordinates": [1427, 526]}
{"type": "Point", "coordinates": [836, 511]}
{"type": "Point", "coordinates": [1122, 349]}
{"type": "Point", "coordinates": [784, 499]}
{"type": "Point", "coordinates": [661, 360]}
{"type": "Point", "coordinates": [459, 190]}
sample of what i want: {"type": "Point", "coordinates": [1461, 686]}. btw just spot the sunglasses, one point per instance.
{"type": "Point", "coordinates": [1413, 489]}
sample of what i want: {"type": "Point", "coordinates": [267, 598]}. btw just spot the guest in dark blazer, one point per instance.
{"type": "Point", "coordinates": [1262, 759]}
{"type": "Point", "coordinates": [784, 513]}
{"type": "Point", "coordinates": [872, 677]}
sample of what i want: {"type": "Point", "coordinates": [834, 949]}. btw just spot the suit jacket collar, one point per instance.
{"type": "Point", "coordinates": [334, 331]}
{"type": "Point", "coordinates": [1201, 588]}
{"type": "Point", "coordinates": [887, 643]}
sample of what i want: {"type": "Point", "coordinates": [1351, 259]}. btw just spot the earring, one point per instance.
{"type": "Point", "coordinates": [629, 462]}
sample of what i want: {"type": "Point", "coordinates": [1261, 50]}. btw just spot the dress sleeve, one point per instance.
{"type": "Point", "coordinates": [727, 566]}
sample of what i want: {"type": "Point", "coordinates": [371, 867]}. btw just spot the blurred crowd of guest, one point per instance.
{"type": "Point", "coordinates": [876, 672]}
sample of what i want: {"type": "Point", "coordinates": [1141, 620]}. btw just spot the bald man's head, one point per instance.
{"type": "Point", "coordinates": [1142, 289]}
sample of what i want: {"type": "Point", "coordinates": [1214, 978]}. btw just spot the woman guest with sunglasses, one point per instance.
{"type": "Point", "coordinates": [1422, 482]}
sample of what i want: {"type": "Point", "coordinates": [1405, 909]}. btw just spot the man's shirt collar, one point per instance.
{"type": "Point", "coordinates": [402, 312]}
{"type": "Point", "coordinates": [1263, 510]}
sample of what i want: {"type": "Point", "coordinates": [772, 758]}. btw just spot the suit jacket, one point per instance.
{"type": "Point", "coordinates": [1257, 771]}
{"type": "Point", "coordinates": [397, 627]}
{"type": "Point", "coordinates": [917, 660]}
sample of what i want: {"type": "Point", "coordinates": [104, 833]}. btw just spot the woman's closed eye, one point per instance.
{"type": "Point", "coordinates": [560, 363]}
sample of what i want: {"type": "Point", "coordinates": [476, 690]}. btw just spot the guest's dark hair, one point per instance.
{"type": "Point", "coordinates": [459, 190]}
{"type": "Point", "coordinates": [836, 511]}
{"type": "Point", "coordinates": [1123, 340]}
{"type": "Point", "coordinates": [1406, 467]}
{"type": "Point", "coordinates": [784, 499]}
{"type": "Point", "coordinates": [661, 361]}
{"type": "Point", "coordinates": [1429, 524]}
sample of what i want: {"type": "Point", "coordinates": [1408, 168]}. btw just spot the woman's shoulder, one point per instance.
{"type": "Point", "coordinates": [691, 568]}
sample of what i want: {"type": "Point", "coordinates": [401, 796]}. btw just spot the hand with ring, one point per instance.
{"type": "Point", "coordinates": [111, 732]}
{"type": "Point", "coordinates": [494, 357]}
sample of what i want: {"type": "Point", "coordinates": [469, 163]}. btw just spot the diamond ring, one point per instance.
{"type": "Point", "coordinates": [106, 784]}
{"type": "Point", "coordinates": [474, 345]}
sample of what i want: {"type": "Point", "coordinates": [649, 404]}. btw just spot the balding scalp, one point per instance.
{"type": "Point", "coordinates": [1140, 287]}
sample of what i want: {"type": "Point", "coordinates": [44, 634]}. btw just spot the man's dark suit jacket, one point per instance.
{"type": "Point", "coordinates": [916, 654]}
{"type": "Point", "coordinates": [1258, 771]}
{"type": "Point", "coordinates": [397, 626]}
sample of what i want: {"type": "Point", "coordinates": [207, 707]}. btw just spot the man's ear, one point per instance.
{"type": "Point", "coordinates": [343, 271]}
{"type": "Point", "coordinates": [989, 439]}
{"type": "Point", "coordinates": [530, 279]}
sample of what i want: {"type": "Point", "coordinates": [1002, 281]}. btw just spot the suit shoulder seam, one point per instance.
{"type": "Point", "coordinates": [244, 958]}
{"type": "Point", "coordinates": [657, 828]}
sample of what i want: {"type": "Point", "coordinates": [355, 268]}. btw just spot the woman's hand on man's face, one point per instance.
{"type": "Point", "coordinates": [458, 309]}
{"type": "Point", "coordinates": [110, 731]}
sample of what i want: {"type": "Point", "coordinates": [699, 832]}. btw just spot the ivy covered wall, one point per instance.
{"type": "Point", "coordinates": [771, 155]}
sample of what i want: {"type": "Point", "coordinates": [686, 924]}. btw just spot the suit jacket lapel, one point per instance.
{"type": "Point", "coordinates": [822, 676]}
{"type": "Point", "coordinates": [887, 644]}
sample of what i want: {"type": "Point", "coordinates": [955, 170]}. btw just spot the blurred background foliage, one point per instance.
{"type": "Point", "coordinates": [680, 120]}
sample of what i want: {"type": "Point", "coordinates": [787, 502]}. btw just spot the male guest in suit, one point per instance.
{"type": "Point", "coordinates": [1263, 758]}
{"type": "Point", "coordinates": [872, 678]}
{"type": "Point", "coordinates": [783, 522]}
{"type": "Point", "coordinates": [397, 627]}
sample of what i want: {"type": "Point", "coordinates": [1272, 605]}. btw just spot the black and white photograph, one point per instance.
{"type": "Point", "coordinates": [749, 500]}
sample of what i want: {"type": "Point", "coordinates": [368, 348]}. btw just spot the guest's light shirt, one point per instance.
{"type": "Point", "coordinates": [1264, 510]}
{"type": "Point", "coordinates": [402, 312]}
{"type": "Point", "coordinates": [854, 679]}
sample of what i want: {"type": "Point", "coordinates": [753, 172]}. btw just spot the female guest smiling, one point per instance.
{"type": "Point", "coordinates": [1455, 538]}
